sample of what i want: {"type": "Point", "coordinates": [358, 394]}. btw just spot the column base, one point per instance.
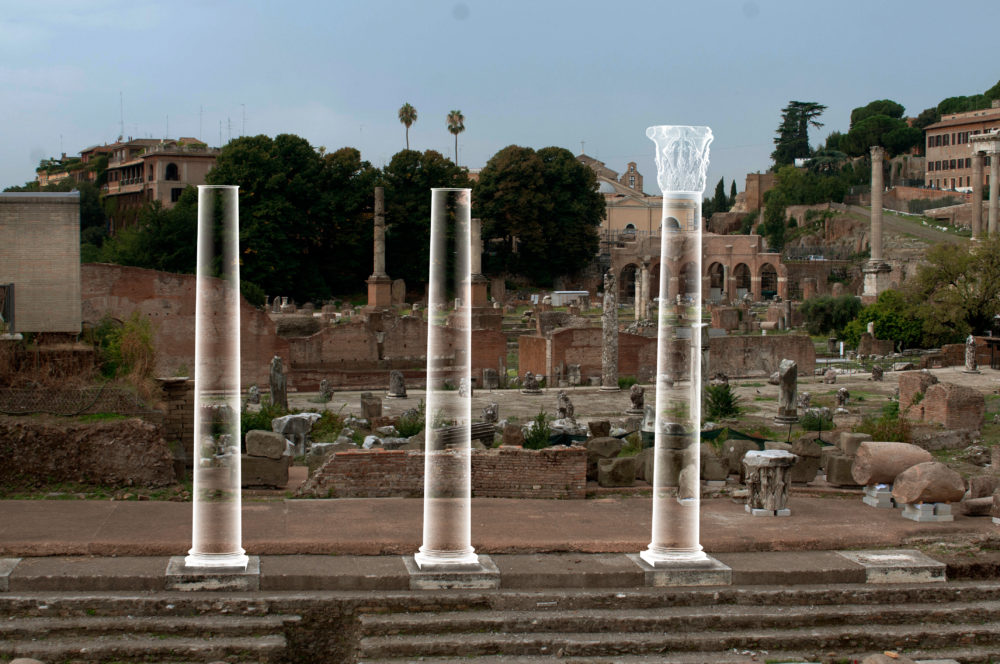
{"type": "Point", "coordinates": [480, 574]}
{"type": "Point", "coordinates": [686, 569]}
{"type": "Point", "coordinates": [182, 576]}
{"type": "Point", "coordinates": [608, 388]}
{"type": "Point", "coordinates": [876, 280]}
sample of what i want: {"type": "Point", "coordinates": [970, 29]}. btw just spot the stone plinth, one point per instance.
{"type": "Point", "coordinates": [767, 478]}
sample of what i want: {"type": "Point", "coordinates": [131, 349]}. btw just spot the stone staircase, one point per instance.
{"type": "Point", "coordinates": [143, 628]}
{"type": "Point", "coordinates": [958, 621]}
{"type": "Point", "coordinates": [725, 625]}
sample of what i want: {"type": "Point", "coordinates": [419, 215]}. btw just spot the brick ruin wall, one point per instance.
{"type": "Point", "coordinates": [953, 406]}
{"type": "Point", "coordinates": [735, 356]}
{"type": "Point", "coordinates": [507, 472]}
{"type": "Point", "coordinates": [358, 354]}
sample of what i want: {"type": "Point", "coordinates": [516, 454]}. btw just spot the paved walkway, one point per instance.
{"type": "Point", "coordinates": [381, 526]}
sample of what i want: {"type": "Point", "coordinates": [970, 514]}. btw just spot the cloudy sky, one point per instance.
{"type": "Point", "coordinates": [535, 73]}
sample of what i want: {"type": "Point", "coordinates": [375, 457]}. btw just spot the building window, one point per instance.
{"type": "Point", "coordinates": [631, 181]}
{"type": "Point", "coordinates": [952, 163]}
{"type": "Point", "coordinates": [930, 141]}
{"type": "Point", "coordinates": [171, 172]}
{"type": "Point", "coordinates": [953, 183]}
{"type": "Point", "coordinates": [175, 194]}
{"type": "Point", "coordinates": [968, 162]}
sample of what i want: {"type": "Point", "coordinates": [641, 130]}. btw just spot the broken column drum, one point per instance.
{"type": "Point", "coordinates": [681, 163]}
{"type": "Point", "coordinates": [216, 504]}
{"type": "Point", "coordinates": [447, 528]}
{"type": "Point", "coordinates": [609, 335]}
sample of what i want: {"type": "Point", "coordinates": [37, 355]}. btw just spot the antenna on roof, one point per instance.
{"type": "Point", "coordinates": [201, 109]}
{"type": "Point", "coordinates": [121, 109]}
{"type": "Point", "coordinates": [244, 131]}
{"type": "Point", "coordinates": [582, 143]}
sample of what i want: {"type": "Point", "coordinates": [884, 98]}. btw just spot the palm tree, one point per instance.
{"type": "Point", "coordinates": [407, 115]}
{"type": "Point", "coordinates": [456, 125]}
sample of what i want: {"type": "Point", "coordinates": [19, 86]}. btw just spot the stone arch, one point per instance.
{"type": "Point", "coordinates": [768, 281]}
{"type": "Point", "coordinates": [742, 281]}
{"type": "Point", "coordinates": [688, 280]}
{"type": "Point", "coordinates": [626, 282]}
{"type": "Point", "coordinates": [671, 224]}
{"type": "Point", "coordinates": [171, 172]}
{"type": "Point", "coordinates": [716, 274]}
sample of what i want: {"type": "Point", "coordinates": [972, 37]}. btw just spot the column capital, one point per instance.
{"type": "Point", "coordinates": [878, 152]}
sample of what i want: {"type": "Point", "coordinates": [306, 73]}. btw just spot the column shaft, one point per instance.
{"type": "Point", "coordinates": [977, 194]}
{"type": "Point", "coordinates": [877, 185]}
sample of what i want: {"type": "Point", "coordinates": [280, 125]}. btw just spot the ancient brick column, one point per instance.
{"type": "Point", "coordinates": [379, 284]}
{"type": "Point", "coordinates": [977, 194]}
{"type": "Point", "coordinates": [609, 345]}
{"type": "Point", "coordinates": [644, 308]}
{"type": "Point", "coordinates": [479, 282]}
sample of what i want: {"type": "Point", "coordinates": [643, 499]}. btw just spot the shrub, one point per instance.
{"type": "Point", "coordinates": [327, 428]}
{"type": "Point", "coordinates": [537, 435]}
{"type": "Point", "coordinates": [816, 420]}
{"type": "Point", "coordinates": [888, 426]}
{"type": "Point", "coordinates": [720, 401]}
{"type": "Point", "coordinates": [625, 382]}
{"type": "Point", "coordinates": [411, 422]}
{"type": "Point", "coordinates": [260, 419]}
{"type": "Point", "coordinates": [633, 445]}
{"type": "Point", "coordinates": [126, 349]}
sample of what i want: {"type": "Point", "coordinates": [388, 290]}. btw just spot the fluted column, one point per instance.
{"type": "Point", "coordinates": [994, 189]}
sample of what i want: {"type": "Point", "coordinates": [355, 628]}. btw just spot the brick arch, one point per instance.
{"type": "Point", "coordinates": [626, 281]}
{"type": "Point", "coordinates": [768, 281]}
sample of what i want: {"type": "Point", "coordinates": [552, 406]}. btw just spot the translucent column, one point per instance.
{"type": "Point", "coordinates": [681, 163]}
{"type": "Point", "coordinates": [217, 532]}
{"type": "Point", "coordinates": [447, 534]}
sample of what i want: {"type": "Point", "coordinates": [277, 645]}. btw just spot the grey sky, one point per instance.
{"type": "Point", "coordinates": [534, 73]}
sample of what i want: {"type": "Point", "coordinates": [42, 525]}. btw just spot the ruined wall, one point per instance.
{"type": "Point", "coordinates": [178, 418]}
{"type": "Point", "coordinates": [954, 406]}
{"type": "Point", "coordinates": [912, 383]}
{"type": "Point", "coordinates": [760, 356]}
{"type": "Point", "coordinates": [582, 345]}
{"type": "Point", "coordinates": [168, 300]}
{"type": "Point", "coordinates": [507, 472]}
{"type": "Point", "coordinates": [489, 351]}
{"type": "Point", "coordinates": [115, 453]}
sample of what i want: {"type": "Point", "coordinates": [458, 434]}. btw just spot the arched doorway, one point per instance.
{"type": "Point", "coordinates": [670, 224]}
{"type": "Point", "coordinates": [689, 282]}
{"type": "Point", "coordinates": [741, 277]}
{"type": "Point", "coordinates": [171, 172]}
{"type": "Point", "coordinates": [626, 283]}
{"type": "Point", "coordinates": [716, 282]}
{"type": "Point", "coordinates": [768, 281]}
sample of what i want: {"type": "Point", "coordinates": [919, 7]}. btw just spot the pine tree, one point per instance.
{"type": "Point", "coordinates": [720, 197]}
{"type": "Point", "coordinates": [732, 194]}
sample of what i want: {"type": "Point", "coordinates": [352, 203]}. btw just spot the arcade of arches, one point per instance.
{"type": "Point", "coordinates": [733, 266]}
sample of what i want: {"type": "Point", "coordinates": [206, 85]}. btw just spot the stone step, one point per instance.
{"type": "Point", "coordinates": [867, 637]}
{"type": "Point", "coordinates": [944, 656]}
{"type": "Point", "coordinates": [673, 619]}
{"type": "Point", "coordinates": [230, 626]}
{"type": "Point", "coordinates": [128, 648]}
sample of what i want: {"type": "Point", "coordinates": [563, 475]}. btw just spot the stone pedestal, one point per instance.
{"type": "Point", "coordinates": [876, 280]}
{"type": "Point", "coordinates": [379, 284]}
{"type": "Point", "coordinates": [768, 478]}
{"type": "Point", "coordinates": [180, 576]}
{"type": "Point", "coordinates": [880, 498]}
{"type": "Point", "coordinates": [928, 512]}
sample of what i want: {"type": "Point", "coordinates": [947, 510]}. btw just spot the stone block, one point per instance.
{"type": "Point", "coordinates": [897, 566]}
{"type": "Point", "coordinates": [483, 576]}
{"type": "Point", "coordinates": [266, 444]}
{"type": "Point", "coordinates": [880, 498]}
{"type": "Point", "coordinates": [599, 428]}
{"type": "Point", "coordinates": [983, 486]}
{"type": "Point", "coordinates": [601, 448]}
{"type": "Point", "coordinates": [709, 572]}
{"type": "Point", "coordinates": [977, 506]}
{"type": "Point", "coordinates": [712, 467]}
{"type": "Point", "coordinates": [199, 579]}
{"type": "Point", "coordinates": [491, 379]}
{"type": "Point", "coordinates": [513, 435]}
{"type": "Point", "coordinates": [880, 462]}
{"type": "Point", "coordinates": [838, 470]}
{"type": "Point", "coordinates": [371, 406]}
{"type": "Point", "coordinates": [734, 450]}
{"type": "Point", "coordinates": [616, 472]}
{"type": "Point", "coordinates": [926, 512]}
{"type": "Point", "coordinates": [849, 442]}
{"type": "Point", "coordinates": [264, 472]}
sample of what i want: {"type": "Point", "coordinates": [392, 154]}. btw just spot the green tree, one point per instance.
{"type": "Point", "coordinates": [894, 318]}
{"type": "Point", "coordinates": [542, 209]}
{"type": "Point", "coordinates": [299, 207]}
{"type": "Point", "coordinates": [408, 179]}
{"type": "Point", "coordinates": [407, 115]}
{"type": "Point", "coordinates": [732, 195]}
{"type": "Point", "coordinates": [885, 107]}
{"type": "Point", "coordinates": [994, 92]}
{"type": "Point", "coordinates": [719, 201]}
{"type": "Point", "coordinates": [161, 239]}
{"type": "Point", "coordinates": [792, 139]}
{"type": "Point", "coordinates": [456, 125]}
{"type": "Point", "coordinates": [928, 116]}
{"type": "Point", "coordinates": [825, 314]}
{"type": "Point", "coordinates": [774, 225]}
{"type": "Point", "coordinates": [961, 104]}
{"type": "Point", "coordinates": [957, 290]}
{"type": "Point", "coordinates": [872, 130]}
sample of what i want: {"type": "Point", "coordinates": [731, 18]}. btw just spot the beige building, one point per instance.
{"type": "Point", "coordinates": [949, 154]}
{"type": "Point", "coordinates": [40, 256]}
{"type": "Point", "coordinates": [145, 170]}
